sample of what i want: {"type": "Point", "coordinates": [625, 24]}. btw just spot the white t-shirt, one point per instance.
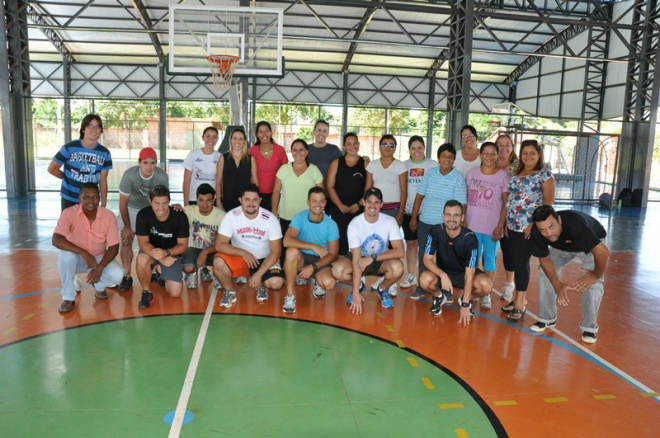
{"type": "Point", "coordinates": [387, 180]}
{"type": "Point", "coordinates": [463, 166]}
{"type": "Point", "coordinates": [416, 172]}
{"type": "Point", "coordinates": [252, 235]}
{"type": "Point", "coordinates": [372, 238]}
{"type": "Point", "coordinates": [203, 168]}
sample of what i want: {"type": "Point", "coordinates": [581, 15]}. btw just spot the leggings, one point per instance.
{"type": "Point", "coordinates": [516, 253]}
{"type": "Point", "coordinates": [489, 249]}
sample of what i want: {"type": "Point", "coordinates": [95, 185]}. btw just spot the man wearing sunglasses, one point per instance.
{"type": "Point", "coordinates": [312, 243]}
{"type": "Point", "coordinates": [162, 235]}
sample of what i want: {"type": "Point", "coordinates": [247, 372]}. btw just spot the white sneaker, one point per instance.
{"type": "Point", "coordinates": [300, 281]}
{"type": "Point", "coordinates": [507, 292]}
{"type": "Point", "coordinates": [317, 290]}
{"type": "Point", "coordinates": [409, 281]}
{"type": "Point", "coordinates": [77, 286]}
{"type": "Point", "coordinates": [485, 302]}
{"type": "Point", "coordinates": [191, 281]}
{"type": "Point", "coordinates": [393, 290]}
{"type": "Point", "coordinates": [241, 280]}
{"type": "Point", "coordinates": [228, 299]}
{"type": "Point", "coordinates": [289, 304]}
{"type": "Point", "coordinates": [377, 283]}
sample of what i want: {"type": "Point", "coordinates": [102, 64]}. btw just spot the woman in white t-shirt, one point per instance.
{"type": "Point", "coordinates": [200, 166]}
{"type": "Point", "coordinates": [468, 157]}
{"type": "Point", "coordinates": [390, 176]}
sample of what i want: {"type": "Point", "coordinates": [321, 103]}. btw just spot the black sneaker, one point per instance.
{"type": "Point", "coordinates": [449, 296]}
{"type": "Point", "coordinates": [589, 337]}
{"type": "Point", "coordinates": [147, 299]}
{"type": "Point", "coordinates": [156, 277]}
{"type": "Point", "coordinates": [126, 283]}
{"type": "Point", "coordinates": [436, 307]}
{"type": "Point", "coordinates": [539, 327]}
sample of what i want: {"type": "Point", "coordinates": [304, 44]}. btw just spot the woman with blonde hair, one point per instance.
{"type": "Point", "coordinates": [236, 169]}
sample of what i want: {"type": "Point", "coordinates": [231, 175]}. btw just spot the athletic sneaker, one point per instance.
{"type": "Point", "coordinates": [317, 290]}
{"type": "Point", "coordinates": [377, 283]}
{"type": "Point", "coordinates": [539, 327]}
{"type": "Point", "coordinates": [350, 296]}
{"type": "Point", "coordinates": [418, 294]}
{"type": "Point", "coordinates": [409, 281]}
{"type": "Point", "coordinates": [289, 304]}
{"type": "Point", "coordinates": [393, 290]}
{"type": "Point", "coordinates": [449, 296]}
{"type": "Point", "coordinates": [228, 298]}
{"type": "Point", "coordinates": [206, 275]}
{"type": "Point", "coordinates": [241, 280]}
{"type": "Point", "coordinates": [300, 281]}
{"type": "Point", "coordinates": [101, 295]}
{"type": "Point", "coordinates": [262, 293]}
{"type": "Point", "coordinates": [507, 292]}
{"type": "Point", "coordinates": [216, 283]}
{"type": "Point", "coordinates": [460, 304]}
{"type": "Point", "coordinates": [126, 283]}
{"type": "Point", "coordinates": [485, 302]}
{"type": "Point", "coordinates": [589, 337]}
{"type": "Point", "coordinates": [76, 284]}
{"type": "Point", "coordinates": [436, 307]}
{"type": "Point", "coordinates": [385, 299]}
{"type": "Point", "coordinates": [157, 278]}
{"type": "Point", "coordinates": [147, 299]}
{"type": "Point", "coordinates": [191, 281]}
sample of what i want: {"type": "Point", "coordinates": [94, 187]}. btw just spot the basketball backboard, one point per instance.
{"type": "Point", "coordinates": [253, 34]}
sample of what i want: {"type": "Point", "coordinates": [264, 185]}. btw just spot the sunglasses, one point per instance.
{"type": "Point", "coordinates": [388, 145]}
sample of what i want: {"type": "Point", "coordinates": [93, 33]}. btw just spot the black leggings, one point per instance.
{"type": "Point", "coordinates": [516, 253]}
{"type": "Point", "coordinates": [342, 220]}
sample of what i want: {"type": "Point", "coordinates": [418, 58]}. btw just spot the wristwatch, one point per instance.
{"type": "Point", "coordinates": [316, 268]}
{"type": "Point", "coordinates": [465, 304]}
{"type": "Point", "coordinates": [373, 257]}
{"type": "Point", "coordinates": [167, 253]}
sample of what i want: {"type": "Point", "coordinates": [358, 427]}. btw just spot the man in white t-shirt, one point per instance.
{"type": "Point", "coordinates": [204, 219]}
{"type": "Point", "coordinates": [368, 237]}
{"type": "Point", "coordinates": [249, 244]}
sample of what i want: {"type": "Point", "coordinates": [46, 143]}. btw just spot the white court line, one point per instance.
{"type": "Point", "coordinates": [585, 350]}
{"type": "Point", "coordinates": [180, 412]}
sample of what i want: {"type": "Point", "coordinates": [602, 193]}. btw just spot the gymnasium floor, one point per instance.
{"type": "Point", "coordinates": [109, 369]}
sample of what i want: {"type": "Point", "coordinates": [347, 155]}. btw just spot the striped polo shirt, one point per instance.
{"type": "Point", "coordinates": [81, 165]}
{"type": "Point", "coordinates": [437, 189]}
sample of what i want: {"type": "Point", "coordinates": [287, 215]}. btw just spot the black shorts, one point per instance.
{"type": "Point", "coordinates": [275, 270]}
{"type": "Point", "coordinates": [191, 254]}
{"type": "Point", "coordinates": [408, 234]}
{"type": "Point", "coordinates": [308, 259]}
{"type": "Point", "coordinates": [372, 269]}
{"type": "Point", "coordinates": [458, 278]}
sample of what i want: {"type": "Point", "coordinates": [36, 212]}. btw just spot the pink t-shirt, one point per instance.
{"type": "Point", "coordinates": [94, 238]}
{"type": "Point", "coordinates": [267, 169]}
{"type": "Point", "coordinates": [485, 199]}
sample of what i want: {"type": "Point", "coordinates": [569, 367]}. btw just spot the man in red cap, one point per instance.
{"type": "Point", "coordinates": [134, 188]}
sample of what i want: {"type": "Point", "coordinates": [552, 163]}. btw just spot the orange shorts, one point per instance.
{"type": "Point", "coordinates": [240, 268]}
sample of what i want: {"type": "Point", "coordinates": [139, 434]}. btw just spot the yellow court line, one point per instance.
{"type": "Point", "coordinates": [451, 406]}
{"type": "Point", "coordinates": [389, 328]}
{"type": "Point", "coordinates": [400, 343]}
{"type": "Point", "coordinates": [461, 433]}
{"type": "Point", "coordinates": [28, 316]}
{"type": "Point", "coordinates": [9, 330]}
{"type": "Point", "coordinates": [505, 403]}
{"type": "Point", "coordinates": [372, 303]}
{"type": "Point", "coordinates": [44, 304]}
{"type": "Point", "coordinates": [379, 314]}
{"type": "Point", "coordinates": [413, 362]}
{"type": "Point", "coordinates": [605, 397]}
{"type": "Point", "coordinates": [428, 383]}
{"type": "Point", "coordinates": [555, 399]}
{"type": "Point", "coordinates": [650, 394]}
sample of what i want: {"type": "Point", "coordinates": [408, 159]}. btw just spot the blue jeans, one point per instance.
{"type": "Point", "coordinates": [69, 263]}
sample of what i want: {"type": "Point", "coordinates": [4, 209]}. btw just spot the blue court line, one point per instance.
{"type": "Point", "coordinates": [46, 291]}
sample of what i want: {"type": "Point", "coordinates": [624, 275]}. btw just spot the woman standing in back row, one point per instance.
{"type": "Point", "coordinates": [507, 160]}
{"type": "Point", "coordinates": [200, 166]}
{"type": "Point", "coordinates": [269, 157]}
{"type": "Point", "coordinates": [468, 157]}
{"type": "Point", "coordinates": [236, 169]}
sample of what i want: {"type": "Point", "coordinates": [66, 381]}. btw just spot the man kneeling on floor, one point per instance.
{"type": "Point", "coordinates": [162, 235]}
{"type": "Point", "coordinates": [89, 239]}
{"type": "Point", "coordinates": [368, 237]}
{"type": "Point", "coordinates": [455, 251]}
{"type": "Point", "coordinates": [204, 219]}
{"type": "Point", "coordinates": [558, 238]}
{"type": "Point", "coordinates": [249, 244]}
{"type": "Point", "coordinates": [312, 243]}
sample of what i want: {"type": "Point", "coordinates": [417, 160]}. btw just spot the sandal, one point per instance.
{"type": "Point", "coordinates": [509, 307]}
{"type": "Point", "coordinates": [512, 316]}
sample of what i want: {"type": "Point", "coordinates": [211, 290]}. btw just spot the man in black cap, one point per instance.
{"type": "Point", "coordinates": [557, 239]}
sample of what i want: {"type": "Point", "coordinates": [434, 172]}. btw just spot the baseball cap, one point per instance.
{"type": "Point", "coordinates": [148, 153]}
{"type": "Point", "coordinates": [374, 191]}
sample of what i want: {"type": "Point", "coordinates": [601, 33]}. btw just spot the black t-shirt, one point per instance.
{"type": "Point", "coordinates": [452, 255]}
{"type": "Point", "coordinates": [580, 233]}
{"type": "Point", "coordinates": [164, 234]}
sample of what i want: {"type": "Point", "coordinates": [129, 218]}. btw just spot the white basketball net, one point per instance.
{"type": "Point", "coordinates": [222, 69]}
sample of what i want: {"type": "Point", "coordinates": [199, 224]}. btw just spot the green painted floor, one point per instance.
{"type": "Point", "coordinates": [257, 377]}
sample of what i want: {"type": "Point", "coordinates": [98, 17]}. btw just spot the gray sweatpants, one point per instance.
{"type": "Point", "coordinates": [590, 298]}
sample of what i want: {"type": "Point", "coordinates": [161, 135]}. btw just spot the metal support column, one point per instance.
{"type": "Point", "coordinates": [344, 105]}
{"type": "Point", "coordinates": [162, 117]}
{"type": "Point", "coordinates": [431, 107]}
{"type": "Point", "coordinates": [641, 101]}
{"type": "Point", "coordinates": [460, 63]}
{"type": "Point", "coordinates": [66, 66]}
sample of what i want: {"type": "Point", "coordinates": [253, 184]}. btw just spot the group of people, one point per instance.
{"type": "Point", "coordinates": [330, 216]}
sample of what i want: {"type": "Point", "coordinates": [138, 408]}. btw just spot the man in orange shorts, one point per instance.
{"type": "Point", "coordinates": [249, 244]}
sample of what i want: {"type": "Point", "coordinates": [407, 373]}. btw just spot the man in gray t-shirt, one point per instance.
{"type": "Point", "coordinates": [134, 188]}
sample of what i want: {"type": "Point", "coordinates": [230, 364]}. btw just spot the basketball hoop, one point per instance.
{"type": "Point", "coordinates": [222, 68]}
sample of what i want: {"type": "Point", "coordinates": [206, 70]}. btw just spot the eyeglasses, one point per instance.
{"type": "Point", "coordinates": [467, 135]}
{"type": "Point", "coordinates": [388, 145]}
{"type": "Point", "coordinates": [90, 126]}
